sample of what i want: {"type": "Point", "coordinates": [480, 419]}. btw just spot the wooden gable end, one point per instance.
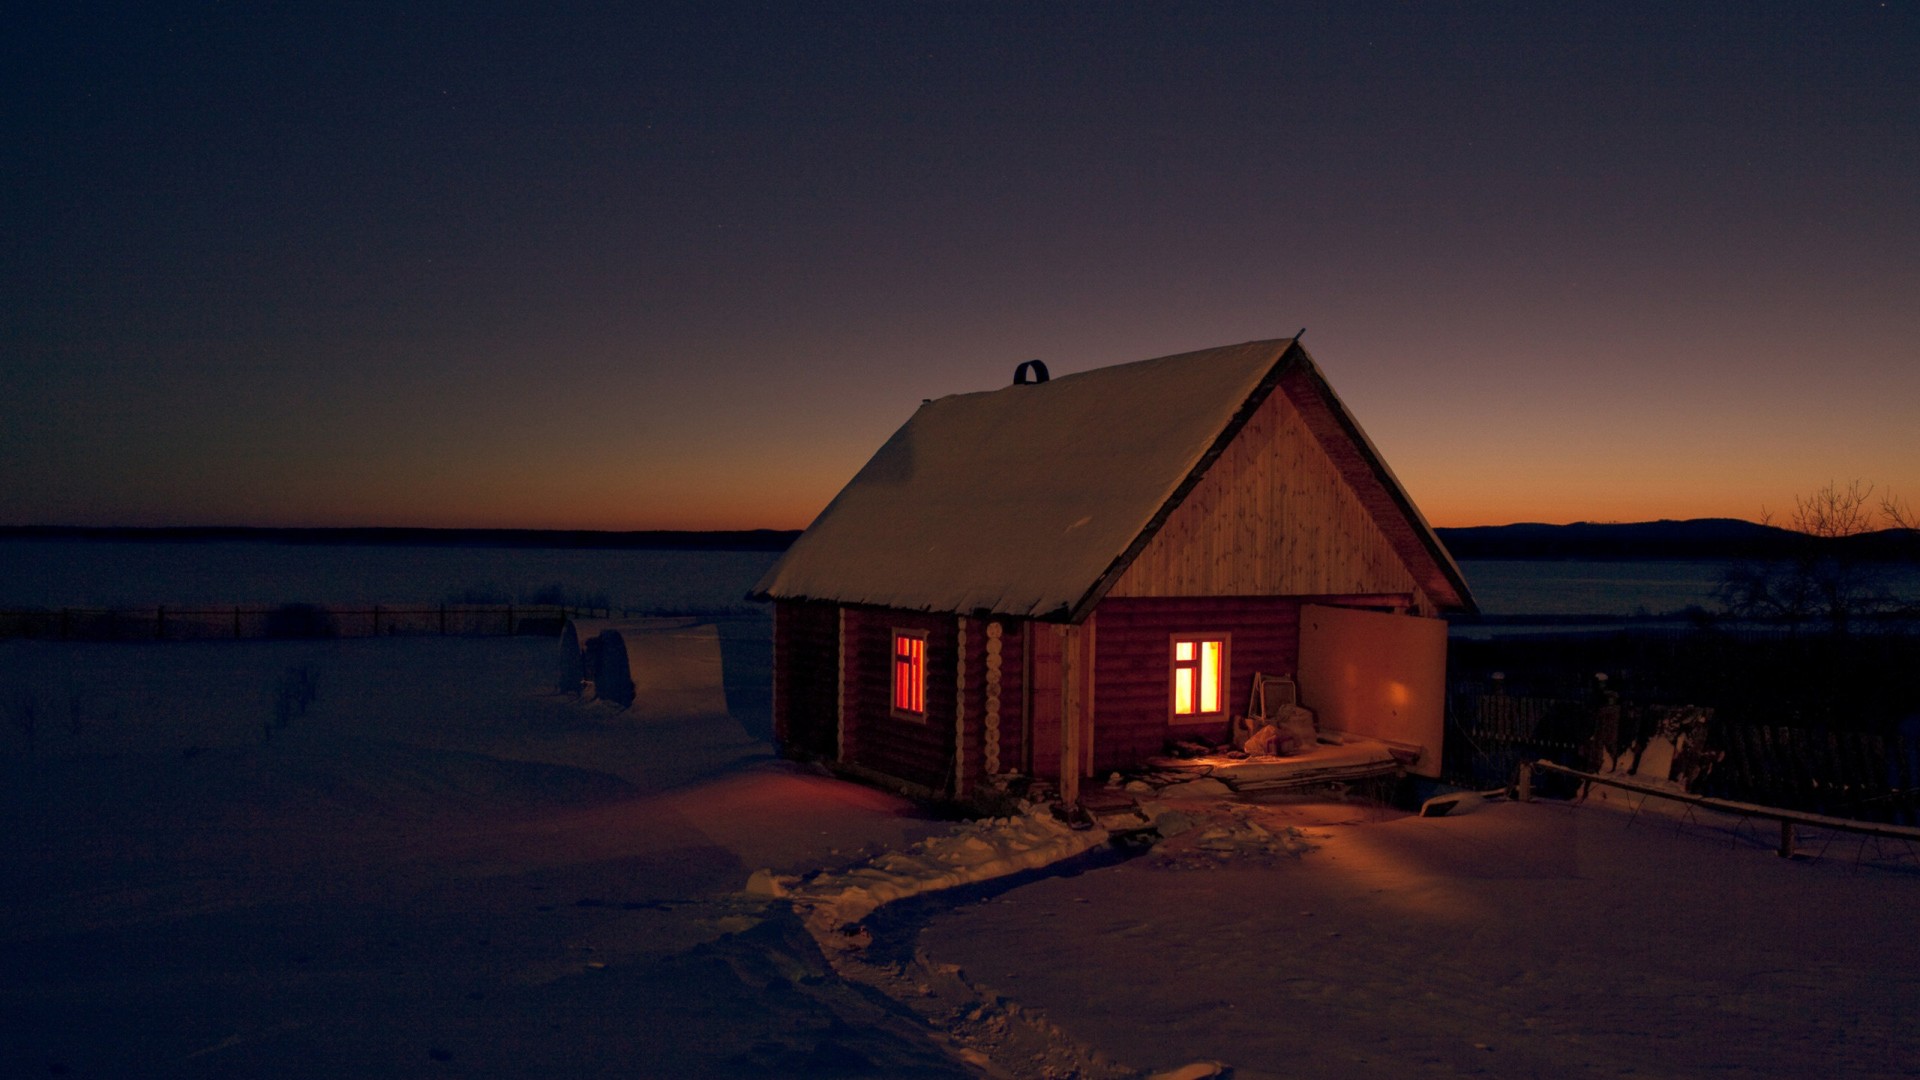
{"type": "Point", "coordinates": [1273, 516]}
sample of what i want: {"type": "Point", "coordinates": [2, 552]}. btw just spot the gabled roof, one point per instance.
{"type": "Point", "coordinates": [1030, 500]}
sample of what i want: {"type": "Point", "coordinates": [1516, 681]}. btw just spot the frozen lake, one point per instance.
{"type": "Point", "coordinates": [43, 574]}
{"type": "Point", "coordinates": [135, 574]}
{"type": "Point", "coordinates": [1592, 586]}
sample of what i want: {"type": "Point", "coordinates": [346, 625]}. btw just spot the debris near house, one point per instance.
{"type": "Point", "coordinates": [1456, 803]}
{"type": "Point", "coordinates": [1331, 758]}
{"type": "Point", "coordinates": [1222, 834]}
{"type": "Point", "coordinates": [1675, 756]}
{"type": "Point", "coordinates": [833, 904]}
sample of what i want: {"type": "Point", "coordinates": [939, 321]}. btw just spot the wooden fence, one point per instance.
{"type": "Point", "coordinates": [1789, 820]}
{"type": "Point", "coordinates": [204, 623]}
{"type": "Point", "coordinates": [1489, 734]}
{"type": "Point", "coordinates": [1860, 775]}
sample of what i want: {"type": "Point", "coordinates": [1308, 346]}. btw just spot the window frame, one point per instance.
{"type": "Point", "coordinates": [894, 665]}
{"type": "Point", "coordinates": [1198, 638]}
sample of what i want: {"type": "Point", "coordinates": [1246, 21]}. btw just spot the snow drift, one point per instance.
{"type": "Point", "coordinates": [662, 672]}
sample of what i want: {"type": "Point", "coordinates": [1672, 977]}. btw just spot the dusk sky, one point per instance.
{"type": "Point", "coordinates": [687, 266]}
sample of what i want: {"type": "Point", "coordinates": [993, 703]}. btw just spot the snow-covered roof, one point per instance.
{"type": "Point", "coordinates": [1022, 501]}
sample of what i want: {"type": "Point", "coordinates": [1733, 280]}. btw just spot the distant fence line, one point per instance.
{"type": "Point", "coordinates": [289, 621]}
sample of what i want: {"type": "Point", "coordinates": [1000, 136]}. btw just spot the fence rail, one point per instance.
{"type": "Point", "coordinates": [1788, 819]}
{"type": "Point", "coordinates": [1858, 775]}
{"type": "Point", "coordinates": [205, 622]}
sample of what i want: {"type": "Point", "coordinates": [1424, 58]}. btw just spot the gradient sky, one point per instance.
{"type": "Point", "coordinates": [659, 266]}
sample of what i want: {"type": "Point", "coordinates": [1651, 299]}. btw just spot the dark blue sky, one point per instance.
{"type": "Point", "coordinates": [474, 265]}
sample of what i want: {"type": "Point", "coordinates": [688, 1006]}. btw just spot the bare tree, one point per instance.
{"type": "Point", "coordinates": [1824, 577]}
{"type": "Point", "coordinates": [1901, 516]}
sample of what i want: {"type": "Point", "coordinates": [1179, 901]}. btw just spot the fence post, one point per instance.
{"type": "Point", "coordinates": [1523, 785]}
{"type": "Point", "coordinates": [1786, 839]}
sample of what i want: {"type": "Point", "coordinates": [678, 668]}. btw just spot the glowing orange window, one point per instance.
{"type": "Point", "coordinates": [1199, 678]}
{"type": "Point", "coordinates": [909, 673]}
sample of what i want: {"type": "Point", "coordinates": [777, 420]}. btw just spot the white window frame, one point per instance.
{"type": "Point", "coordinates": [1196, 664]}
{"type": "Point", "coordinates": [899, 711]}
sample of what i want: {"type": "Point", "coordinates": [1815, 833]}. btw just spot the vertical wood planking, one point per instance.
{"type": "Point", "coordinates": [1273, 516]}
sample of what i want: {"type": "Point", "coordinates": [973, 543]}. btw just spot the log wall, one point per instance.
{"type": "Point", "coordinates": [920, 751]}
{"type": "Point", "coordinates": [1133, 665]}
{"type": "Point", "coordinates": [806, 698]}
{"type": "Point", "coordinates": [1011, 728]}
{"type": "Point", "coordinates": [1272, 516]}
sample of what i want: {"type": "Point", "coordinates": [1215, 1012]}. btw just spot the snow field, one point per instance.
{"type": "Point", "coordinates": [439, 865]}
{"type": "Point", "coordinates": [1537, 939]}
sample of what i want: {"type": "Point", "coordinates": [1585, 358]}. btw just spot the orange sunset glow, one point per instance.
{"type": "Point", "coordinates": [1611, 270]}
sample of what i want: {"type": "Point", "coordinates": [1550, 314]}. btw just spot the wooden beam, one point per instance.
{"type": "Point", "coordinates": [1069, 714]}
{"type": "Point", "coordinates": [960, 710]}
{"type": "Point", "coordinates": [840, 721]}
{"type": "Point", "coordinates": [1787, 818]}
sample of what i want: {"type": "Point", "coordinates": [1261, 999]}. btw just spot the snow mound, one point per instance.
{"type": "Point", "coordinates": [972, 851]}
{"type": "Point", "coordinates": [659, 673]}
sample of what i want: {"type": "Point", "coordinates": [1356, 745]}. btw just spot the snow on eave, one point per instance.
{"type": "Point", "coordinates": [1022, 501]}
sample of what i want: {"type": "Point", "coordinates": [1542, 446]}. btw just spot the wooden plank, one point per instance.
{"type": "Point", "coordinates": [842, 736]}
{"type": "Point", "coordinates": [1070, 722]}
{"type": "Point", "coordinates": [960, 708]}
{"type": "Point", "coordinates": [1043, 701]}
{"type": "Point", "coordinates": [1750, 810]}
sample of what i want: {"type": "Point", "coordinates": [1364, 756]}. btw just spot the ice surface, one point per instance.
{"type": "Point", "coordinates": [102, 573]}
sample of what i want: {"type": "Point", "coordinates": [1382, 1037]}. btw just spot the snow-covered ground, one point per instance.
{"type": "Point", "coordinates": [432, 865]}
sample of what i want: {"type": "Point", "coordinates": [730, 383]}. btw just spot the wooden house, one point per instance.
{"type": "Point", "coordinates": [1060, 577]}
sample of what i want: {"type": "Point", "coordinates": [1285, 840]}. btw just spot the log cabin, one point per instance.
{"type": "Point", "coordinates": [1063, 577]}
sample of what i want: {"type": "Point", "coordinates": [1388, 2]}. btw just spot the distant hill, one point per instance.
{"type": "Point", "coordinates": [1697, 538]}
{"type": "Point", "coordinates": [657, 539]}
